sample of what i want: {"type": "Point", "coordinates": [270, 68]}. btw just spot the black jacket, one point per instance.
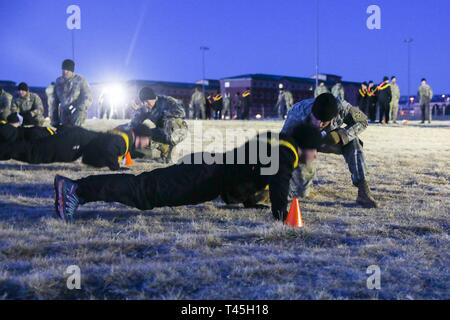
{"type": "Point", "coordinates": [384, 93]}
{"type": "Point", "coordinates": [239, 181]}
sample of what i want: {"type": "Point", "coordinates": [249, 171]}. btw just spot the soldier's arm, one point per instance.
{"type": "Point", "coordinates": [38, 106]}
{"type": "Point", "coordinates": [139, 117]}
{"type": "Point", "coordinates": [14, 106]}
{"type": "Point", "coordinates": [84, 101]}
{"type": "Point", "coordinates": [279, 184]}
{"type": "Point", "coordinates": [355, 120]}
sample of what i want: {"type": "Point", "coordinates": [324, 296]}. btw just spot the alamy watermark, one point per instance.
{"type": "Point", "coordinates": [374, 279]}
{"type": "Point", "coordinates": [73, 274]}
{"type": "Point", "coordinates": [214, 146]}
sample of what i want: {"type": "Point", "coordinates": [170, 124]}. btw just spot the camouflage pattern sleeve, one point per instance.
{"type": "Point", "coordinates": [84, 101]}
{"type": "Point", "coordinates": [14, 106]}
{"type": "Point", "coordinates": [38, 106]}
{"type": "Point", "coordinates": [355, 120]}
{"type": "Point", "coordinates": [139, 117]}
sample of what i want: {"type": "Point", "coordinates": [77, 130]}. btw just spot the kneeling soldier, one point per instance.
{"type": "Point", "coordinates": [190, 184]}
{"type": "Point", "coordinates": [168, 115]}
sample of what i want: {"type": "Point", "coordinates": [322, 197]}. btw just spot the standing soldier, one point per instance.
{"type": "Point", "coordinates": [72, 97]}
{"type": "Point", "coordinates": [338, 91]}
{"type": "Point", "coordinates": [372, 101]}
{"type": "Point", "coordinates": [226, 106]}
{"type": "Point", "coordinates": [5, 104]}
{"type": "Point", "coordinates": [167, 113]}
{"type": "Point", "coordinates": [29, 105]}
{"type": "Point", "coordinates": [425, 94]}
{"type": "Point", "coordinates": [217, 105]}
{"type": "Point", "coordinates": [284, 103]}
{"type": "Point", "coordinates": [320, 89]}
{"type": "Point", "coordinates": [362, 98]}
{"type": "Point", "coordinates": [238, 105]}
{"type": "Point", "coordinates": [246, 103]}
{"type": "Point", "coordinates": [49, 92]}
{"type": "Point", "coordinates": [395, 99]}
{"type": "Point", "coordinates": [105, 106]}
{"type": "Point", "coordinates": [384, 100]}
{"type": "Point", "coordinates": [197, 104]}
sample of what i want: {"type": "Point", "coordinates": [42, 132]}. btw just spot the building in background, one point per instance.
{"type": "Point", "coordinates": [265, 88]}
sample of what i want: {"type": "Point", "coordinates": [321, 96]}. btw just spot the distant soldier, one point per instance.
{"type": "Point", "coordinates": [284, 103]}
{"type": "Point", "coordinates": [238, 105]}
{"type": "Point", "coordinates": [217, 105]}
{"type": "Point", "coordinates": [72, 97]}
{"type": "Point", "coordinates": [105, 106]}
{"type": "Point", "coordinates": [372, 101]}
{"type": "Point", "coordinates": [29, 105]}
{"type": "Point", "coordinates": [5, 104]}
{"type": "Point", "coordinates": [197, 104]}
{"type": "Point", "coordinates": [322, 88]}
{"type": "Point", "coordinates": [338, 91]}
{"type": "Point", "coordinates": [226, 112]}
{"type": "Point", "coordinates": [395, 99]}
{"type": "Point", "coordinates": [384, 95]}
{"type": "Point", "coordinates": [246, 104]}
{"type": "Point", "coordinates": [50, 92]}
{"type": "Point", "coordinates": [167, 114]}
{"type": "Point", "coordinates": [362, 98]}
{"type": "Point", "coordinates": [425, 94]}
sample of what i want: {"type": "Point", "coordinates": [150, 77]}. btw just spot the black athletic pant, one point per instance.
{"type": "Point", "coordinates": [66, 146]}
{"type": "Point", "coordinates": [372, 111]}
{"type": "Point", "coordinates": [173, 186]}
{"type": "Point", "coordinates": [385, 110]}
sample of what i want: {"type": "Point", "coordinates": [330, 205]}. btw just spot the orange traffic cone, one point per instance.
{"type": "Point", "coordinates": [294, 218]}
{"type": "Point", "coordinates": [128, 160]}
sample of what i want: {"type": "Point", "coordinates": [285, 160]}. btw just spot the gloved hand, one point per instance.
{"type": "Point", "coordinates": [333, 138]}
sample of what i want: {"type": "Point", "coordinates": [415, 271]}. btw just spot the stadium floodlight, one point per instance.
{"type": "Point", "coordinates": [116, 93]}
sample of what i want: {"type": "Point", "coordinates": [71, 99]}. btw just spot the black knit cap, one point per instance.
{"type": "Point", "coordinates": [68, 65]}
{"type": "Point", "coordinates": [307, 137]}
{"type": "Point", "coordinates": [365, 83]}
{"type": "Point", "coordinates": [147, 93]}
{"type": "Point", "coordinates": [325, 107]}
{"type": "Point", "coordinates": [13, 118]}
{"type": "Point", "coordinates": [23, 87]}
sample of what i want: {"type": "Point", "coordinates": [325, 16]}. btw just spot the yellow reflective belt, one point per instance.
{"type": "Point", "coordinates": [3, 122]}
{"type": "Point", "coordinates": [288, 145]}
{"type": "Point", "coordinates": [246, 94]}
{"type": "Point", "coordinates": [127, 142]}
{"type": "Point", "coordinates": [52, 133]}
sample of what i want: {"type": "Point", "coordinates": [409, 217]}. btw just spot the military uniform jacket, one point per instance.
{"type": "Point", "coordinates": [30, 103]}
{"type": "Point", "coordinates": [354, 118]}
{"type": "Point", "coordinates": [395, 90]}
{"type": "Point", "coordinates": [72, 92]}
{"type": "Point", "coordinates": [5, 100]}
{"type": "Point", "coordinates": [425, 94]}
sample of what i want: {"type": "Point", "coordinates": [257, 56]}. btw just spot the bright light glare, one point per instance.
{"type": "Point", "coordinates": [115, 93]}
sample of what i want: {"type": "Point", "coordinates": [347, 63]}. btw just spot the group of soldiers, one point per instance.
{"type": "Point", "coordinates": [219, 107]}
{"type": "Point", "coordinates": [386, 97]}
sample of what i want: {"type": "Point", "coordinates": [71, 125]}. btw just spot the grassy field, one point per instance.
{"type": "Point", "coordinates": [211, 251]}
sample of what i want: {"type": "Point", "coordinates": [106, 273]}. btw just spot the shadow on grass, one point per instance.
{"type": "Point", "coordinates": [38, 167]}
{"type": "Point", "coordinates": [14, 212]}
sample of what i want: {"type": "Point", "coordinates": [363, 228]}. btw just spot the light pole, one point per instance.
{"type": "Point", "coordinates": [317, 43]}
{"type": "Point", "coordinates": [408, 42]}
{"type": "Point", "coordinates": [203, 50]}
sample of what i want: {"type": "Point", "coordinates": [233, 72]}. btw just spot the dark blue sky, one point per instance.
{"type": "Point", "coordinates": [245, 36]}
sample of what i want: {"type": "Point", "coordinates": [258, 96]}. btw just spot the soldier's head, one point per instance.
{"type": "Point", "coordinates": [371, 84]}
{"type": "Point", "coordinates": [424, 81]}
{"type": "Point", "coordinates": [15, 119]}
{"type": "Point", "coordinates": [325, 109]}
{"type": "Point", "coordinates": [385, 79]}
{"type": "Point", "coordinates": [23, 89]}
{"type": "Point", "coordinates": [68, 68]}
{"type": "Point", "coordinates": [322, 84]}
{"type": "Point", "coordinates": [281, 87]}
{"type": "Point", "coordinates": [148, 97]}
{"type": "Point", "coordinates": [307, 137]}
{"type": "Point", "coordinates": [364, 85]}
{"type": "Point", "coordinates": [394, 79]}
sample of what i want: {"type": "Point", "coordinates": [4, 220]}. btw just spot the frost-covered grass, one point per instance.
{"type": "Point", "coordinates": [211, 251]}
